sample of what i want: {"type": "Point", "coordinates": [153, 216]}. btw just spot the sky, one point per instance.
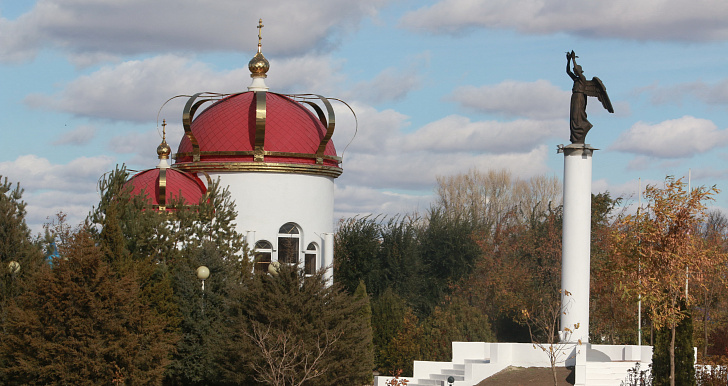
{"type": "Point", "coordinates": [438, 87]}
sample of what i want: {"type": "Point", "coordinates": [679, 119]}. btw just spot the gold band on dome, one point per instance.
{"type": "Point", "coordinates": [260, 114]}
{"type": "Point", "coordinates": [329, 171]}
{"type": "Point", "coordinates": [249, 153]}
{"type": "Point", "coordinates": [162, 196]}
{"type": "Point", "coordinates": [330, 123]}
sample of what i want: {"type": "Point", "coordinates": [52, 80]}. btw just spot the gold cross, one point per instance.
{"type": "Point", "coordinates": [164, 129]}
{"type": "Point", "coordinates": [260, 30]}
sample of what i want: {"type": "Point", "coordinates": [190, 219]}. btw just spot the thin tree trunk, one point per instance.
{"type": "Point", "coordinates": [672, 355]}
{"type": "Point", "coordinates": [705, 326]}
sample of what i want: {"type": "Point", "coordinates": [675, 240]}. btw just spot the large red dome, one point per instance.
{"type": "Point", "coordinates": [164, 186]}
{"type": "Point", "coordinates": [233, 134]}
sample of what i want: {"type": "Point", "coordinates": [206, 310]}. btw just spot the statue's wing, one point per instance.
{"type": "Point", "coordinates": [596, 88]}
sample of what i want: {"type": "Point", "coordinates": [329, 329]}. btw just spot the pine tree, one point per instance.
{"type": "Point", "coordinates": [204, 325]}
{"type": "Point", "coordinates": [304, 332]}
{"type": "Point", "coordinates": [80, 323]}
{"type": "Point", "coordinates": [365, 313]}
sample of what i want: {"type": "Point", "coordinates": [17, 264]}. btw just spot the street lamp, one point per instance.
{"type": "Point", "coordinates": [202, 273]}
{"type": "Point", "coordinates": [13, 267]}
{"type": "Point", "coordinates": [273, 268]}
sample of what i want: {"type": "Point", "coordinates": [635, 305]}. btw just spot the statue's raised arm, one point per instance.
{"type": "Point", "coordinates": [583, 88]}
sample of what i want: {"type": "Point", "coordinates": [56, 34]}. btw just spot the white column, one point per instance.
{"type": "Point", "coordinates": [575, 258]}
{"type": "Point", "coordinates": [250, 240]}
{"type": "Point", "coordinates": [327, 256]}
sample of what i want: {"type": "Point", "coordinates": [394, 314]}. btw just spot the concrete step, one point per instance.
{"type": "Point", "coordinates": [444, 377]}
{"type": "Point", "coordinates": [453, 372]}
{"type": "Point", "coordinates": [607, 373]}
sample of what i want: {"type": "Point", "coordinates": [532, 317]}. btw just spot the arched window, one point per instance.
{"type": "Point", "coordinates": [263, 251]}
{"type": "Point", "coordinates": [310, 262]}
{"type": "Point", "coordinates": [288, 243]}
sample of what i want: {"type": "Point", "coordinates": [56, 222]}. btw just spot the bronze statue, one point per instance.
{"type": "Point", "coordinates": [583, 88]}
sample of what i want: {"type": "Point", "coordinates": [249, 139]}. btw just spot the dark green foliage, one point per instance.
{"type": "Point", "coordinates": [684, 354]}
{"type": "Point", "coordinates": [203, 326]}
{"type": "Point", "coordinates": [356, 250]}
{"type": "Point", "coordinates": [418, 260]}
{"type": "Point", "coordinates": [448, 252]}
{"type": "Point", "coordinates": [382, 254]}
{"type": "Point", "coordinates": [15, 244]}
{"type": "Point", "coordinates": [161, 249]}
{"type": "Point", "coordinates": [453, 321]}
{"type": "Point", "coordinates": [404, 348]}
{"type": "Point", "coordinates": [82, 324]}
{"type": "Point", "coordinates": [387, 318]}
{"type": "Point", "coordinates": [314, 319]}
{"type": "Point", "coordinates": [365, 313]}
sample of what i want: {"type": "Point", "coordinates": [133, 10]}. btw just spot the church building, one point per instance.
{"type": "Point", "coordinates": [275, 154]}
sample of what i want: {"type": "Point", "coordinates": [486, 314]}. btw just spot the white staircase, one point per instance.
{"type": "Point", "coordinates": [596, 365]}
{"type": "Point", "coordinates": [607, 373]}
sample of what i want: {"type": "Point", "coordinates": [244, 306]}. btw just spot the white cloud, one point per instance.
{"type": "Point", "coordinates": [675, 138]}
{"type": "Point", "coordinates": [351, 201]}
{"type": "Point", "coordinates": [662, 20]}
{"type": "Point", "coordinates": [389, 85]}
{"type": "Point", "coordinates": [81, 135]}
{"type": "Point", "coordinates": [458, 133]}
{"type": "Point", "coordinates": [135, 90]}
{"type": "Point", "coordinates": [94, 27]}
{"type": "Point", "coordinates": [38, 174]}
{"type": "Point", "coordinates": [712, 94]}
{"type": "Point", "coordinates": [537, 100]}
{"type": "Point", "coordinates": [417, 170]}
{"type": "Point", "coordinates": [50, 188]}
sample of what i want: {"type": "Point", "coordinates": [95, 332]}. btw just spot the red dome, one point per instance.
{"type": "Point", "coordinates": [226, 133]}
{"type": "Point", "coordinates": [176, 184]}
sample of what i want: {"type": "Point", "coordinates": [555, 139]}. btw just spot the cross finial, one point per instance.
{"type": "Point", "coordinates": [260, 35]}
{"type": "Point", "coordinates": [164, 129]}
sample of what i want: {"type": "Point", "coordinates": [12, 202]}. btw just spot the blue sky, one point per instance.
{"type": "Point", "coordinates": [439, 87]}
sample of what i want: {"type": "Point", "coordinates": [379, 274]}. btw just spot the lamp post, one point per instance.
{"type": "Point", "coordinates": [13, 267]}
{"type": "Point", "coordinates": [203, 273]}
{"type": "Point", "coordinates": [273, 268]}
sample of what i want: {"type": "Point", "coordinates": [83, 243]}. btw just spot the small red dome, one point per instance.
{"type": "Point", "coordinates": [175, 184]}
{"type": "Point", "coordinates": [226, 133]}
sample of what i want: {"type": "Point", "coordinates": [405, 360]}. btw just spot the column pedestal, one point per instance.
{"type": "Point", "coordinates": [575, 258]}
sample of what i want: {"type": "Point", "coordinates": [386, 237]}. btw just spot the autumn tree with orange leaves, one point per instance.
{"type": "Point", "coordinates": [658, 247]}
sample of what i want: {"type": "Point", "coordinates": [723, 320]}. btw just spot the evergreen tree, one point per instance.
{"type": "Point", "coordinates": [18, 254]}
{"type": "Point", "coordinates": [303, 332]}
{"type": "Point", "coordinates": [387, 317]}
{"type": "Point", "coordinates": [80, 324]}
{"type": "Point", "coordinates": [448, 252]}
{"type": "Point", "coordinates": [684, 354]}
{"type": "Point", "coordinates": [365, 313]}
{"type": "Point", "coordinates": [204, 322]}
{"type": "Point", "coordinates": [455, 320]}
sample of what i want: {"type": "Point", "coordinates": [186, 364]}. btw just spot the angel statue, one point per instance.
{"type": "Point", "coordinates": [583, 88]}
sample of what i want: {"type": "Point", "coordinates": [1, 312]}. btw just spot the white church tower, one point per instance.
{"type": "Point", "coordinates": [275, 154]}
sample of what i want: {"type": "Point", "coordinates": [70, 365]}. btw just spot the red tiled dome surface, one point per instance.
{"type": "Point", "coordinates": [229, 125]}
{"type": "Point", "coordinates": [179, 184]}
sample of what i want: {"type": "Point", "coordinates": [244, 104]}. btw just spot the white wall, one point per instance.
{"type": "Point", "coordinates": [265, 201]}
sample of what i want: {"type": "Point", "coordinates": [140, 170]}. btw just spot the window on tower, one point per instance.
{"type": "Point", "coordinates": [310, 263]}
{"type": "Point", "coordinates": [263, 251]}
{"type": "Point", "coordinates": [288, 244]}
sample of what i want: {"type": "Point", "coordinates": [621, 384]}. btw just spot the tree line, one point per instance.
{"type": "Point", "coordinates": [484, 264]}
{"type": "Point", "coordinates": [119, 303]}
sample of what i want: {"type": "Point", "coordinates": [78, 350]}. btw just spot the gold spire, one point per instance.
{"type": "Point", "coordinates": [163, 150]}
{"type": "Point", "coordinates": [259, 65]}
